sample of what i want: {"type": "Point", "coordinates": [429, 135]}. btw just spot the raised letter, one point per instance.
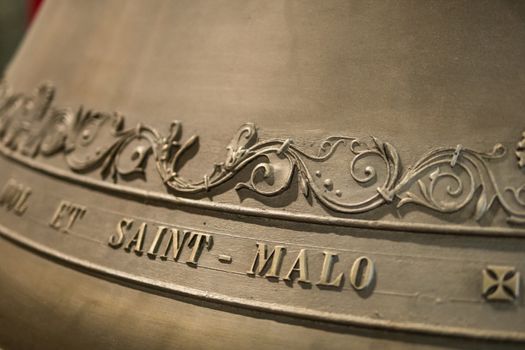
{"type": "Point", "coordinates": [137, 240]}
{"type": "Point", "coordinates": [154, 248]}
{"type": "Point", "coordinates": [261, 261]}
{"type": "Point", "coordinates": [68, 210]}
{"type": "Point", "coordinates": [14, 196]}
{"type": "Point", "coordinates": [117, 239]}
{"type": "Point", "coordinates": [300, 265]}
{"type": "Point", "coordinates": [76, 212]}
{"type": "Point", "coordinates": [59, 212]}
{"type": "Point", "coordinates": [6, 193]}
{"type": "Point", "coordinates": [176, 243]}
{"type": "Point", "coordinates": [326, 272]}
{"type": "Point", "coordinates": [362, 273]}
{"type": "Point", "coordinates": [21, 206]}
{"type": "Point", "coordinates": [196, 241]}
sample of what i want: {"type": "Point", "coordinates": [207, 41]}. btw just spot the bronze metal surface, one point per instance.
{"type": "Point", "coordinates": [348, 173]}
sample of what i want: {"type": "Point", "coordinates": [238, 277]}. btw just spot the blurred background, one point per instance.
{"type": "Point", "coordinates": [15, 18]}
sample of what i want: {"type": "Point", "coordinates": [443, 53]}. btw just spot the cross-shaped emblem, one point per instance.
{"type": "Point", "coordinates": [501, 283]}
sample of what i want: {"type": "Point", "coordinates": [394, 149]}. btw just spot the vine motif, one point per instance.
{"type": "Point", "coordinates": [445, 179]}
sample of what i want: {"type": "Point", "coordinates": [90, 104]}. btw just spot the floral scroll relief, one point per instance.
{"type": "Point", "coordinates": [445, 179]}
{"type": "Point", "coordinates": [520, 151]}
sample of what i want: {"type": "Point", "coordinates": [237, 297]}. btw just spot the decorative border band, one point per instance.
{"type": "Point", "coordinates": [445, 180]}
{"type": "Point", "coordinates": [287, 310]}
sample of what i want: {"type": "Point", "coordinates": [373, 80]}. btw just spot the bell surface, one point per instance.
{"type": "Point", "coordinates": [264, 174]}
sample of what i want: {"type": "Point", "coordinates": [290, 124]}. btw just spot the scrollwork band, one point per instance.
{"type": "Point", "coordinates": [444, 180]}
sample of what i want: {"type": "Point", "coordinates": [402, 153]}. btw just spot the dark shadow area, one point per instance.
{"type": "Point", "coordinates": [13, 23]}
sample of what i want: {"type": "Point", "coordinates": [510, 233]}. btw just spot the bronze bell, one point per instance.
{"type": "Point", "coordinates": [264, 174]}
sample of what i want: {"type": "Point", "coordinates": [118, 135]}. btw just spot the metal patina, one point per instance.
{"type": "Point", "coordinates": [351, 174]}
